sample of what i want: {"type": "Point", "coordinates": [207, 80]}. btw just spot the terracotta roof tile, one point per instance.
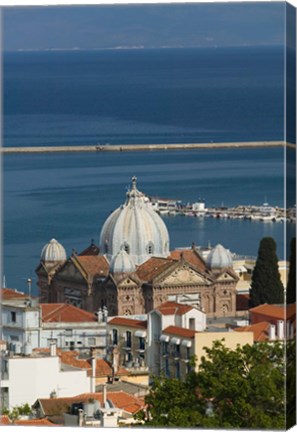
{"type": "Point", "coordinates": [121, 400]}
{"type": "Point", "coordinates": [90, 250]}
{"type": "Point", "coordinates": [153, 267]}
{"type": "Point", "coordinates": [7, 294]}
{"type": "Point", "coordinates": [173, 308]}
{"type": "Point", "coordinates": [94, 266]}
{"type": "Point", "coordinates": [280, 312]}
{"type": "Point", "coordinates": [128, 322]}
{"type": "Point", "coordinates": [4, 420]}
{"type": "Point", "coordinates": [103, 368]}
{"type": "Point", "coordinates": [191, 256]}
{"type": "Point", "coordinates": [260, 330]}
{"type": "Point", "coordinates": [34, 422]}
{"type": "Point", "coordinates": [62, 312]}
{"type": "Point", "coordinates": [180, 331]}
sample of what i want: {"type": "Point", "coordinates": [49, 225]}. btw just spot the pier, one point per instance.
{"type": "Point", "coordinates": [144, 147]}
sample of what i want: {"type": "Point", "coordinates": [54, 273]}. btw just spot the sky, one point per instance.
{"type": "Point", "coordinates": [147, 26]}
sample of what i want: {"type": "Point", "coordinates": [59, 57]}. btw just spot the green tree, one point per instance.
{"type": "Point", "coordinates": [241, 388]}
{"type": "Point", "coordinates": [18, 411]}
{"type": "Point", "coordinates": [170, 403]}
{"type": "Point", "coordinates": [266, 286]}
{"type": "Point", "coordinates": [291, 285]}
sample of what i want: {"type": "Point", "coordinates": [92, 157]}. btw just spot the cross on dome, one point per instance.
{"type": "Point", "coordinates": [134, 181]}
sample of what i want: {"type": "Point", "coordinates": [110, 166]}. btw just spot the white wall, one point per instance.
{"type": "Point", "coordinates": [32, 378]}
{"type": "Point", "coordinates": [27, 328]}
{"type": "Point", "coordinates": [200, 319]}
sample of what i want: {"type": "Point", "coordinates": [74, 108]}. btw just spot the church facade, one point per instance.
{"type": "Point", "coordinates": [133, 271]}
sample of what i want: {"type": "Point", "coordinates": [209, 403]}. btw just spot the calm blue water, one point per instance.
{"type": "Point", "coordinates": [143, 96]}
{"type": "Point", "coordinates": [138, 97]}
{"type": "Point", "coordinates": [69, 196]}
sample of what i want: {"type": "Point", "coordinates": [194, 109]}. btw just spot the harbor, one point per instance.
{"type": "Point", "coordinates": [107, 147]}
{"type": "Point", "coordinates": [263, 213]}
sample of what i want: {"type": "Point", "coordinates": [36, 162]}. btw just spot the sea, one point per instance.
{"type": "Point", "coordinates": [139, 97]}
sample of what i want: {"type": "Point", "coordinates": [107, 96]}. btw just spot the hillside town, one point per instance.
{"type": "Point", "coordinates": [110, 320]}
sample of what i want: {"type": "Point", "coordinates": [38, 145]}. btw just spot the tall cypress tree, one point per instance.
{"type": "Point", "coordinates": [291, 285]}
{"type": "Point", "coordinates": [266, 286]}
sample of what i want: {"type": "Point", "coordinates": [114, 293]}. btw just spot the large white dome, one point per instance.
{"type": "Point", "coordinates": [136, 228]}
{"type": "Point", "coordinates": [53, 252]}
{"type": "Point", "coordinates": [219, 258]}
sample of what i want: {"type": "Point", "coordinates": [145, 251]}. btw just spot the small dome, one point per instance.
{"type": "Point", "coordinates": [219, 258]}
{"type": "Point", "coordinates": [122, 263]}
{"type": "Point", "coordinates": [53, 252]}
{"type": "Point", "coordinates": [136, 228]}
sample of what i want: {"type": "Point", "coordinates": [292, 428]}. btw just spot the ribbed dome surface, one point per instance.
{"type": "Point", "coordinates": [122, 263]}
{"type": "Point", "coordinates": [53, 252]}
{"type": "Point", "coordinates": [136, 228]}
{"type": "Point", "coordinates": [219, 258]}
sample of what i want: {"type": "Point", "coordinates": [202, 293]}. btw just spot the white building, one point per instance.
{"type": "Point", "coordinates": [39, 324]}
{"type": "Point", "coordinates": [170, 314]}
{"type": "Point", "coordinates": [25, 378]}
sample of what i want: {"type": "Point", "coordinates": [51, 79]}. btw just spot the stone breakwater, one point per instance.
{"type": "Point", "coordinates": [143, 147]}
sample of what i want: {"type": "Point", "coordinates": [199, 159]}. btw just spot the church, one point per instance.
{"type": "Point", "coordinates": [133, 270]}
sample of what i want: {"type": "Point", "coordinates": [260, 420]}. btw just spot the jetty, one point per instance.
{"type": "Point", "coordinates": [144, 147]}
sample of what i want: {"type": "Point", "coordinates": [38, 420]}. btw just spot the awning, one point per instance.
{"type": "Point", "coordinates": [164, 338]}
{"type": "Point", "coordinates": [140, 333]}
{"type": "Point", "coordinates": [186, 343]}
{"type": "Point", "coordinates": [175, 341]}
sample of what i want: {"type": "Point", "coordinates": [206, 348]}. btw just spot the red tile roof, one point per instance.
{"type": "Point", "coordinates": [260, 330]}
{"type": "Point", "coordinates": [4, 420]}
{"type": "Point", "coordinates": [280, 312]}
{"type": "Point", "coordinates": [103, 368]}
{"type": "Point", "coordinates": [90, 250]}
{"type": "Point", "coordinates": [153, 267]}
{"type": "Point", "coordinates": [191, 256]}
{"type": "Point", "coordinates": [128, 322]}
{"type": "Point", "coordinates": [173, 308]}
{"type": "Point", "coordinates": [34, 422]}
{"type": "Point", "coordinates": [94, 265]}
{"type": "Point", "coordinates": [62, 312]}
{"type": "Point", "coordinates": [180, 331]}
{"type": "Point", "coordinates": [121, 400]}
{"type": "Point", "coordinates": [7, 294]}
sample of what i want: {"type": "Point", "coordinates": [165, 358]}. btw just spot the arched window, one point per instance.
{"type": "Point", "coordinates": [126, 247]}
{"type": "Point", "coordinates": [106, 247]}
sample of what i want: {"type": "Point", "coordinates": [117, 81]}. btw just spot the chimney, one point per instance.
{"type": "Point", "coordinates": [53, 349]}
{"type": "Point", "coordinates": [104, 395]}
{"type": "Point", "coordinates": [100, 315]}
{"type": "Point", "coordinates": [280, 329]}
{"type": "Point", "coordinates": [105, 314]}
{"type": "Point", "coordinates": [271, 332]}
